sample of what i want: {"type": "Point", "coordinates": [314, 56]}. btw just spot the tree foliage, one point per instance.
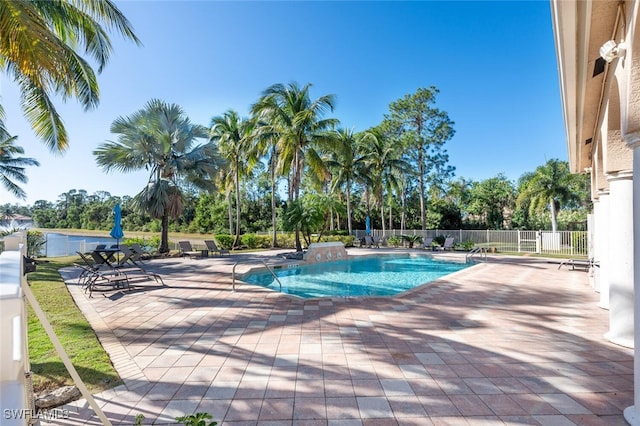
{"type": "Point", "coordinates": [161, 139]}
{"type": "Point", "coordinates": [42, 55]}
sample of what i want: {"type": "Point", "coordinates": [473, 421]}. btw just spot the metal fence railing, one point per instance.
{"type": "Point", "coordinates": [565, 243]}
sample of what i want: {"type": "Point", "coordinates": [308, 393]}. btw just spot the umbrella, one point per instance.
{"type": "Point", "coordinates": [368, 226]}
{"type": "Point", "coordinates": [116, 231]}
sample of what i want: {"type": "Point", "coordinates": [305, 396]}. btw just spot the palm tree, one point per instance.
{"type": "Point", "coordinates": [385, 166]}
{"type": "Point", "coordinates": [549, 185]}
{"type": "Point", "coordinates": [297, 124]}
{"type": "Point", "coordinates": [233, 136]}
{"type": "Point", "coordinates": [161, 139]}
{"type": "Point", "coordinates": [39, 45]}
{"type": "Point", "coordinates": [345, 159]}
{"type": "Point", "coordinates": [12, 168]}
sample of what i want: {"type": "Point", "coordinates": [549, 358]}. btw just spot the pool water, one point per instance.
{"type": "Point", "coordinates": [365, 276]}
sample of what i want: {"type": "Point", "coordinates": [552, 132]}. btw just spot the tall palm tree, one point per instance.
{"type": "Point", "coordinates": [161, 139]}
{"type": "Point", "coordinates": [297, 121]}
{"type": "Point", "coordinates": [233, 136]}
{"type": "Point", "coordinates": [39, 45]}
{"type": "Point", "coordinates": [347, 162]}
{"type": "Point", "coordinates": [385, 164]}
{"type": "Point", "coordinates": [12, 168]}
{"type": "Point", "coordinates": [549, 185]}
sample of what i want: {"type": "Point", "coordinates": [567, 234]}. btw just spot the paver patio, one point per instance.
{"type": "Point", "coordinates": [508, 341]}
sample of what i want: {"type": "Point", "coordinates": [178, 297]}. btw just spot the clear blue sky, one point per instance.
{"type": "Point", "coordinates": [493, 62]}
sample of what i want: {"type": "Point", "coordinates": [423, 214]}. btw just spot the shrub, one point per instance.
{"type": "Point", "coordinates": [466, 245]}
{"type": "Point", "coordinates": [225, 241]}
{"type": "Point", "coordinates": [440, 239]}
{"type": "Point", "coordinates": [149, 244]}
{"type": "Point", "coordinates": [249, 240]}
{"type": "Point", "coordinates": [394, 240]}
{"type": "Point", "coordinates": [35, 242]}
{"type": "Point", "coordinates": [412, 239]}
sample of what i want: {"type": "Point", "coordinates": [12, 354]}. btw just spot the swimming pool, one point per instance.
{"type": "Point", "coordinates": [360, 276]}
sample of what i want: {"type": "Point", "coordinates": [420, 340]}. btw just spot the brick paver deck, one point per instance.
{"type": "Point", "coordinates": [508, 341]}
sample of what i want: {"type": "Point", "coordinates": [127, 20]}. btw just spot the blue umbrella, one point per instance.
{"type": "Point", "coordinates": [116, 231]}
{"type": "Point", "coordinates": [368, 226]}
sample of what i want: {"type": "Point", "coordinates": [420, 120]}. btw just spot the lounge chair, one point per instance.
{"type": "Point", "coordinates": [213, 247]}
{"type": "Point", "coordinates": [448, 244]}
{"type": "Point", "coordinates": [140, 252]}
{"type": "Point", "coordinates": [129, 256]}
{"type": "Point", "coordinates": [427, 244]}
{"type": "Point", "coordinates": [99, 274]}
{"type": "Point", "coordinates": [375, 241]}
{"type": "Point", "coordinates": [584, 264]}
{"type": "Point", "coordinates": [187, 250]}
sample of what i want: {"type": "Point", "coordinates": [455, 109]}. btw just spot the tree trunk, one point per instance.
{"type": "Point", "coordinates": [236, 243]}
{"type": "Point", "coordinates": [423, 216]}
{"type": "Point", "coordinates": [382, 212]}
{"type": "Point", "coordinates": [230, 213]}
{"type": "Point", "coordinates": [390, 214]}
{"type": "Point", "coordinates": [164, 235]}
{"type": "Point", "coordinates": [349, 206]}
{"type": "Point", "coordinates": [274, 222]}
{"type": "Point", "coordinates": [403, 220]}
{"type": "Point", "coordinates": [554, 219]}
{"type": "Point", "coordinates": [296, 193]}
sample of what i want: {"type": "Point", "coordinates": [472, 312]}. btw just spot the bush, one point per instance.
{"type": "Point", "coordinates": [394, 240]}
{"type": "Point", "coordinates": [440, 239]}
{"type": "Point", "coordinates": [35, 242]}
{"type": "Point", "coordinates": [149, 244]}
{"type": "Point", "coordinates": [225, 241]}
{"type": "Point", "coordinates": [347, 240]}
{"type": "Point", "coordinates": [249, 240]}
{"type": "Point", "coordinates": [466, 245]}
{"type": "Point", "coordinates": [412, 239]}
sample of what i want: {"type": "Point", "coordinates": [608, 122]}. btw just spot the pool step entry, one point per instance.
{"type": "Point", "coordinates": [325, 252]}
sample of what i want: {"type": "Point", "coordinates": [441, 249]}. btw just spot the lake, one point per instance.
{"type": "Point", "coordinates": [65, 245]}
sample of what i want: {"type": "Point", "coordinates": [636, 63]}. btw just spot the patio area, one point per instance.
{"type": "Point", "coordinates": [508, 341]}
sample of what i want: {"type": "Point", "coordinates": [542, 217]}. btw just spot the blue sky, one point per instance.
{"type": "Point", "coordinates": [493, 62]}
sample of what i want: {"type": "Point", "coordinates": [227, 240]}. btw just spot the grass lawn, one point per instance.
{"type": "Point", "coordinates": [73, 330]}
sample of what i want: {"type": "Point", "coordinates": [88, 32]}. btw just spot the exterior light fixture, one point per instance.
{"type": "Point", "coordinates": [611, 50]}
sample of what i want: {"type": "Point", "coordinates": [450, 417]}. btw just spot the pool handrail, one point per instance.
{"type": "Point", "coordinates": [233, 276]}
{"type": "Point", "coordinates": [274, 275]}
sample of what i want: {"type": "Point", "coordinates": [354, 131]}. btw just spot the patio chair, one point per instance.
{"type": "Point", "coordinates": [91, 276]}
{"type": "Point", "coordinates": [129, 256]}
{"type": "Point", "coordinates": [375, 241]}
{"type": "Point", "coordinates": [428, 243]}
{"type": "Point", "coordinates": [141, 252]}
{"type": "Point", "coordinates": [187, 250]}
{"type": "Point", "coordinates": [448, 244]}
{"type": "Point", "coordinates": [213, 247]}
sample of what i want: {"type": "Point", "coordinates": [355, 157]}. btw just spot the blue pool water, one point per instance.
{"type": "Point", "coordinates": [366, 276]}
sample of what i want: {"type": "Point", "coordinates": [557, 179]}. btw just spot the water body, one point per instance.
{"type": "Point", "coordinates": [64, 245]}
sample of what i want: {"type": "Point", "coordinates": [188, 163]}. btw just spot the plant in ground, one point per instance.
{"type": "Point", "coordinates": [198, 419]}
{"type": "Point", "coordinates": [394, 240]}
{"type": "Point", "coordinates": [412, 239]}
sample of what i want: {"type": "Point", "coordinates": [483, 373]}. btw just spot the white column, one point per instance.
{"type": "Point", "coordinates": [621, 304]}
{"type": "Point", "coordinates": [632, 414]}
{"type": "Point", "coordinates": [602, 240]}
{"type": "Point", "coordinates": [595, 233]}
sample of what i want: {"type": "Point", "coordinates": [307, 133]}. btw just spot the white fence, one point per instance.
{"type": "Point", "coordinates": [565, 243]}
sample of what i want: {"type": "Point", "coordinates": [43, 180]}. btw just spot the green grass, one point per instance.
{"type": "Point", "coordinates": [73, 331]}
